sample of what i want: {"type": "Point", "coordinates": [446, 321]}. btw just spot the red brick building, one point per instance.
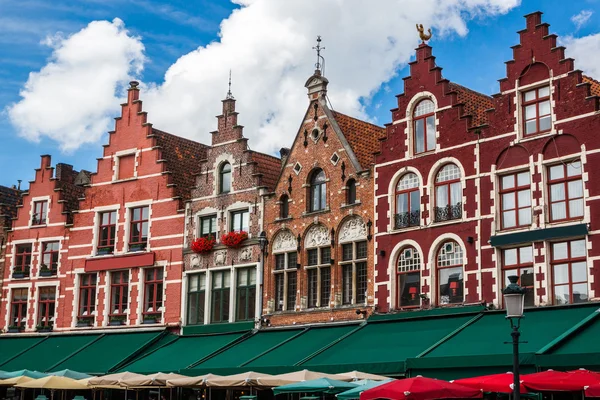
{"type": "Point", "coordinates": [471, 189]}
{"type": "Point", "coordinates": [319, 219]}
{"type": "Point", "coordinates": [36, 248]}
{"type": "Point", "coordinates": [224, 283]}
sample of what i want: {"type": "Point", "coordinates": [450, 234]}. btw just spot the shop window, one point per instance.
{"type": "Point", "coordinates": [220, 292]}
{"type": "Point", "coordinates": [138, 228]}
{"type": "Point", "coordinates": [450, 273]}
{"type": "Point", "coordinates": [424, 126]}
{"type": "Point", "coordinates": [318, 190]}
{"type": "Point", "coordinates": [285, 281]}
{"type": "Point", "coordinates": [519, 262]}
{"type": "Point", "coordinates": [354, 272]}
{"type": "Point", "coordinates": [565, 188]}
{"type": "Point", "coordinates": [569, 272]}
{"type": "Point", "coordinates": [408, 276]}
{"type": "Point", "coordinates": [448, 194]}
{"type": "Point", "coordinates": [408, 202]}
{"type": "Point", "coordinates": [107, 231]}
{"type": "Point", "coordinates": [536, 111]}
{"type": "Point", "coordinates": [196, 299]}
{"type": "Point", "coordinates": [246, 294]}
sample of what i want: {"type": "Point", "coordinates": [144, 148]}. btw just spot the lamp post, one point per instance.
{"type": "Point", "coordinates": [262, 244]}
{"type": "Point", "coordinates": [514, 301]}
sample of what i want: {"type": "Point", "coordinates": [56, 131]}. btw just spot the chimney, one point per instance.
{"type": "Point", "coordinates": [133, 93]}
{"type": "Point", "coordinates": [64, 173]}
{"type": "Point", "coordinates": [284, 153]}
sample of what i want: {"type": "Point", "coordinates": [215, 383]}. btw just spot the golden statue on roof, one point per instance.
{"type": "Point", "coordinates": [422, 33]}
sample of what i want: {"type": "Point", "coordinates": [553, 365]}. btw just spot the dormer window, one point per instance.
{"type": "Point", "coordinates": [225, 178]}
{"type": "Point", "coordinates": [424, 126]}
{"type": "Point", "coordinates": [536, 111]}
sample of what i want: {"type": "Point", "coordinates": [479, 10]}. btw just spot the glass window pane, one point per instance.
{"type": "Point", "coordinates": [430, 133]}
{"type": "Point", "coordinates": [524, 198]}
{"type": "Point", "coordinates": [574, 168]}
{"type": "Point", "coordinates": [559, 251]}
{"type": "Point", "coordinates": [409, 288]}
{"type": "Point", "coordinates": [361, 250]}
{"type": "Point", "coordinates": [419, 136]}
{"type": "Point", "coordinates": [559, 211]}
{"type": "Point", "coordinates": [526, 279]}
{"type": "Point", "coordinates": [526, 254]}
{"type": "Point", "coordinates": [561, 273]}
{"type": "Point", "coordinates": [530, 111]}
{"type": "Point", "coordinates": [347, 252]}
{"type": "Point", "coordinates": [415, 201]}
{"type": "Point", "coordinates": [508, 182]}
{"type": "Point", "coordinates": [545, 123]}
{"type": "Point", "coordinates": [193, 283]}
{"type": "Point", "coordinates": [577, 248]}
{"type": "Point", "coordinates": [402, 203]}
{"type": "Point", "coordinates": [245, 221]}
{"type": "Point", "coordinates": [557, 172]}
{"type": "Point", "coordinates": [424, 107]}
{"type": "Point", "coordinates": [575, 189]}
{"type": "Point", "coordinates": [528, 96]}
{"type": "Point", "coordinates": [523, 179]}
{"type": "Point", "coordinates": [580, 293]}
{"type": "Point", "coordinates": [557, 192]}
{"type": "Point", "coordinates": [509, 219]}
{"type": "Point", "coordinates": [561, 294]}
{"type": "Point", "coordinates": [544, 109]}
{"type": "Point", "coordinates": [508, 201]}
{"type": "Point", "coordinates": [226, 279]}
{"type": "Point", "coordinates": [525, 216]}
{"type": "Point", "coordinates": [576, 208]}
{"type": "Point", "coordinates": [292, 260]}
{"type": "Point", "coordinates": [544, 92]}
{"type": "Point", "coordinates": [510, 257]}
{"type": "Point", "coordinates": [451, 285]}
{"type": "Point", "coordinates": [325, 255]}
{"type": "Point", "coordinates": [579, 272]}
{"type": "Point", "coordinates": [456, 193]}
{"type": "Point", "coordinates": [530, 127]}
{"type": "Point", "coordinates": [441, 196]}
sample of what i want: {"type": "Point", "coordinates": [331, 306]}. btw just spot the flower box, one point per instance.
{"type": "Point", "coordinates": [84, 322]}
{"type": "Point", "coordinates": [117, 320]}
{"type": "Point", "coordinates": [151, 318]}
{"type": "Point", "coordinates": [20, 273]}
{"type": "Point", "coordinates": [203, 244]}
{"type": "Point", "coordinates": [234, 239]}
{"type": "Point", "coordinates": [43, 328]}
{"type": "Point", "coordinates": [45, 271]}
{"type": "Point", "coordinates": [15, 329]}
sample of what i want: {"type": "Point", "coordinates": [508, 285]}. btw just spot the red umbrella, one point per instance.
{"type": "Point", "coordinates": [556, 381]}
{"type": "Point", "coordinates": [592, 391]}
{"type": "Point", "coordinates": [498, 383]}
{"type": "Point", "coordinates": [420, 388]}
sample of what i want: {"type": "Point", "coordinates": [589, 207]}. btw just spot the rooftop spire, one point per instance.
{"type": "Point", "coordinates": [318, 48]}
{"type": "Point", "coordinates": [229, 95]}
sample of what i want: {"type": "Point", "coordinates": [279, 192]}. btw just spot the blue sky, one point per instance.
{"type": "Point", "coordinates": [173, 29]}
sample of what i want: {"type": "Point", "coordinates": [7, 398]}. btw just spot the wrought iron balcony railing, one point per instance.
{"type": "Point", "coordinates": [448, 213]}
{"type": "Point", "coordinates": [406, 219]}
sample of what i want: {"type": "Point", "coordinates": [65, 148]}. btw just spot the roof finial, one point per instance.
{"type": "Point", "coordinates": [422, 33]}
{"type": "Point", "coordinates": [318, 48]}
{"type": "Point", "coordinates": [229, 95]}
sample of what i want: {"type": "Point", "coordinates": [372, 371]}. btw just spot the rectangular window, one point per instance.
{"type": "Point", "coordinates": [87, 296]}
{"type": "Point", "coordinates": [325, 255]}
{"type": "Point", "coordinates": [18, 308]}
{"type": "Point", "coordinates": [138, 231]}
{"type": "Point", "coordinates": [107, 232]}
{"type": "Point", "coordinates": [50, 254]}
{"type": "Point", "coordinates": [196, 299]}
{"type": "Point", "coordinates": [40, 213]}
{"type": "Point", "coordinates": [22, 260]}
{"type": "Point", "coordinates": [515, 195]}
{"type": "Point", "coordinates": [221, 283]}
{"type": "Point", "coordinates": [325, 286]}
{"type": "Point", "coordinates": [126, 166]}
{"type": "Point", "coordinates": [312, 287]}
{"type": "Point", "coordinates": [519, 262]}
{"type": "Point", "coordinates": [46, 307]}
{"type": "Point", "coordinates": [246, 294]}
{"type": "Point", "coordinates": [285, 281]}
{"type": "Point", "coordinates": [153, 293]}
{"type": "Point", "coordinates": [566, 191]}
{"type": "Point", "coordinates": [536, 110]}
{"type": "Point", "coordinates": [119, 293]}
{"type": "Point", "coordinates": [313, 257]}
{"type": "Point", "coordinates": [319, 276]}
{"type": "Point", "coordinates": [208, 226]}
{"type": "Point", "coordinates": [569, 272]}
{"type": "Point", "coordinates": [240, 221]}
{"type": "Point", "coordinates": [354, 272]}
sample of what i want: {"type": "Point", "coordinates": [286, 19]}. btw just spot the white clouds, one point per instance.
{"type": "Point", "coordinates": [267, 44]}
{"type": "Point", "coordinates": [586, 52]}
{"type": "Point", "coordinates": [582, 18]}
{"type": "Point", "coordinates": [72, 99]}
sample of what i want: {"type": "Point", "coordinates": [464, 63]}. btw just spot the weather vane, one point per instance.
{"type": "Point", "coordinates": [229, 95]}
{"type": "Point", "coordinates": [422, 33]}
{"type": "Point", "coordinates": [318, 48]}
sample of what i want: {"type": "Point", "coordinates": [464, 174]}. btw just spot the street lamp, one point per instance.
{"type": "Point", "coordinates": [262, 242]}
{"type": "Point", "coordinates": [514, 300]}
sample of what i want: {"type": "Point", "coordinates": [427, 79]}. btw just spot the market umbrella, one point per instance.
{"type": "Point", "coordinates": [320, 385]}
{"type": "Point", "coordinates": [357, 376]}
{"type": "Point", "coordinates": [420, 388]}
{"type": "Point", "coordinates": [498, 383]}
{"type": "Point", "coordinates": [15, 381]}
{"type": "Point", "coordinates": [86, 382]}
{"type": "Point", "coordinates": [191, 381]}
{"type": "Point", "coordinates": [556, 381]}
{"type": "Point", "coordinates": [54, 382]}
{"type": "Point", "coordinates": [24, 372]}
{"type": "Point", "coordinates": [592, 390]}
{"type": "Point", "coordinates": [363, 385]}
{"type": "Point", "coordinates": [70, 374]}
{"type": "Point", "coordinates": [158, 379]}
{"type": "Point", "coordinates": [298, 376]}
{"type": "Point", "coordinates": [249, 378]}
{"type": "Point", "coordinates": [114, 379]}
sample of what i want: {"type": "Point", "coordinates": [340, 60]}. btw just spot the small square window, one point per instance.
{"type": "Point", "coordinates": [297, 168]}
{"type": "Point", "coordinates": [334, 158]}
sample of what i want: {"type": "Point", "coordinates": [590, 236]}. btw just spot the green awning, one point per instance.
{"type": "Point", "coordinates": [381, 347]}
{"type": "Point", "coordinates": [11, 347]}
{"type": "Point", "coordinates": [538, 235]}
{"type": "Point", "coordinates": [246, 350]}
{"type": "Point", "coordinates": [484, 342]}
{"type": "Point", "coordinates": [107, 352]}
{"type": "Point", "coordinates": [581, 349]}
{"type": "Point", "coordinates": [180, 354]}
{"type": "Point", "coordinates": [49, 353]}
{"type": "Point", "coordinates": [300, 347]}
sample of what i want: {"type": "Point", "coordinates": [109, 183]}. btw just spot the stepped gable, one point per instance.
{"type": "Point", "coordinates": [182, 159]}
{"type": "Point", "coordinates": [363, 137]}
{"type": "Point", "coordinates": [475, 104]}
{"type": "Point", "coordinates": [10, 197]}
{"type": "Point", "coordinates": [269, 167]}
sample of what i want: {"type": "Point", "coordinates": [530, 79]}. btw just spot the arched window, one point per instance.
{"type": "Point", "coordinates": [408, 202]}
{"type": "Point", "coordinates": [225, 178]}
{"type": "Point", "coordinates": [450, 273]}
{"type": "Point", "coordinates": [409, 277]}
{"type": "Point", "coordinates": [318, 190]}
{"type": "Point", "coordinates": [351, 191]}
{"type": "Point", "coordinates": [284, 208]}
{"type": "Point", "coordinates": [448, 194]}
{"type": "Point", "coordinates": [424, 126]}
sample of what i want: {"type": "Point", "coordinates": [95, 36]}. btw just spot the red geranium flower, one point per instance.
{"type": "Point", "coordinates": [234, 239]}
{"type": "Point", "coordinates": [203, 244]}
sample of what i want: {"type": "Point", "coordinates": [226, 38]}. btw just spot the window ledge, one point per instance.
{"type": "Point", "coordinates": [535, 136]}
{"type": "Point", "coordinates": [311, 213]}
{"type": "Point", "coordinates": [406, 229]}
{"type": "Point", "coordinates": [125, 180]}
{"type": "Point", "coordinates": [284, 219]}
{"type": "Point", "coordinates": [565, 222]}
{"type": "Point", "coordinates": [38, 226]}
{"type": "Point", "coordinates": [356, 203]}
{"type": "Point", "coordinates": [450, 222]}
